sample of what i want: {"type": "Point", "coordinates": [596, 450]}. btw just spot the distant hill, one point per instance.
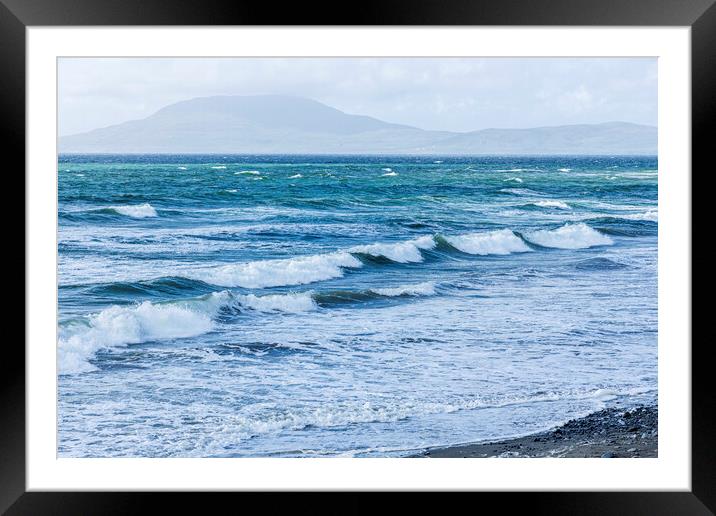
{"type": "Point", "coordinates": [275, 124]}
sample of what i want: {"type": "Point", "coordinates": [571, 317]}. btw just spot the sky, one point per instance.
{"type": "Point", "coordinates": [453, 94]}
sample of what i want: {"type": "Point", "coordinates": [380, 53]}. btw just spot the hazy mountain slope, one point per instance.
{"type": "Point", "coordinates": [607, 138]}
{"type": "Point", "coordinates": [274, 124]}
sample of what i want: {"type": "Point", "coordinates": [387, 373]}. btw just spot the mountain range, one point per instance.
{"type": "Point", "coordinates": [277, 124]}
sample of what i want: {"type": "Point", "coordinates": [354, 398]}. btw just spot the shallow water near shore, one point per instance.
{"type": "Point", "coordinates": [231, 306]}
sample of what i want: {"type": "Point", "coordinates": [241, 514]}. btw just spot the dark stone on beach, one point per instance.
{"type": "Point", "coordinates": [591, 436]}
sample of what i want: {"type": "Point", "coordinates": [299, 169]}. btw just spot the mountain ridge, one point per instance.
{"type": "Point", "coordinates": [279, 124]}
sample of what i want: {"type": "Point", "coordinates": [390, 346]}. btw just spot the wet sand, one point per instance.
{"type": "Point", "coordinates": [609, 433]}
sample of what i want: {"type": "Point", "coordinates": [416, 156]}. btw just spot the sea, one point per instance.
{"type": "Point", "coordinates": [348, 306]}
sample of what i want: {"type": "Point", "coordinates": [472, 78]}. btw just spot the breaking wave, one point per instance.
{"type": "Point", "coordinates": [569, 236]}
{"type": "Point", "coordinates": [500, 242]}
{"type": "Point", "coordinates": [139, 211]}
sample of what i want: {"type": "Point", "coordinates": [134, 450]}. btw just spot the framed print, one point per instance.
{"type": "Point", "coordinates": [435, 250]}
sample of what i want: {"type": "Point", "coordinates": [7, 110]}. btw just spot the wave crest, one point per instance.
{"type": "Point", "coordinates": [569, 236]}
{"type": "Point", "coordinates": [500, 242]}
{"type": "Point", "coordinates": [281, 272]}
{"type": "Point", "coordinates": [421, 289]}
{"type": "Point", "coordinates": [400, 252]}
{"type": "Point", "coordinates": [138, 211]}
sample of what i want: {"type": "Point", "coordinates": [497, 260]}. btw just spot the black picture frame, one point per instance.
{"type": "Point", "coordinates": [16, 15]}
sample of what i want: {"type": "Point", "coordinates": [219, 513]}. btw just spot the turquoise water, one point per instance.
{"type": "Point", "coordinates": [222, 306]}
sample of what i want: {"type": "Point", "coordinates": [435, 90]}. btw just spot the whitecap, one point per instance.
{"type": "Point", "coordinates": [553, 204]}
{"type": "Point", "coordinates": [279, 272]}
{"type": "Point", "coordinates": [651, 215]}
{"type": "Point", "coordinates": [401, 252]}
{"type": "Point", "coordinates": [564, 169]}
{"type": "Point", "coordinates": [118, 326]}
{"type": "Point", "coordinates": [421, 289]}
{"type": "Point", "coordinates": [219, 167]}
{"type": "Point", "coordinates": [498, 242]}
{"type": "Point", "coordinates": [520, 191]}
{"type": "Point", "coordinates": [390, 174]}
{"type": "Point", "coordinates": [569, 236]}
{"type": "Point", "coordinates": [295, 176]}
{"type": "Point", "coordinates": [139, 211]}
{"type": "Point", "coordinates": [247, 172]}
{"type": "Point", "coordinates": [515, 179]}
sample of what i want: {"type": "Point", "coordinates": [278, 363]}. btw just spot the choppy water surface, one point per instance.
{"type": "Point", "coordinates": [219, 306]}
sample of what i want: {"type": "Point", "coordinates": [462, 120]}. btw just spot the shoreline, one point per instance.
{"type": "Point", "coordinates": [607, 433]}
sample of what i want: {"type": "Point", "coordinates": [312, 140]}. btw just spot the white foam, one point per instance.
{"type": "Point", "coordinates": [247, 172]}
{"type": "Point", "coordinates": [520, 191]}
{"type": "Point", "coordinates": [652, 215]}
{"type": "Point", "coordinates": [604, 394]}
{"type": "Point", "coordinates": [499, 242]}
{"type": "Point", "coordinates": [122, 325]}
{"type": "Point", "coordinates": [280, 272]}
{"type": "Point", "coordinates": [569, 236]}
{"type": "Point", "coordinates": [564, 169]}
{"type": "Point", "coordinates": [437, 161]}
{"type": "Point", "coordinates": [119, 326]}
{"type": "Point", "coordinates": [553, 204]}
{"type": "Point", "coordinates": [515, 179]}
{"type": "Point", "coordinates": [401, 252]}
{"type": "Point", "coordinates": [291, 303]}
{"type": "Point", "coordinates": [390, 174]}
{"type": "Point", "coordinates": [387, 169]}
{"type": "Point", "coordinates": [232, 190]}
{"type": "Point", "coordinates": [181, 168]}
{"type": "Point", "coordinates": [219, 167]}
{"type": "Point", "coordinates": [421, 289]}
{"type": "Point", "coordinates": [295, 176]}
{"type": "Point", "coordinates": [139, 211]}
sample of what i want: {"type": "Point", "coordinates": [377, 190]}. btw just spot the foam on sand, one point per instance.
{"type": "Point", "coordinates": [569, 236]}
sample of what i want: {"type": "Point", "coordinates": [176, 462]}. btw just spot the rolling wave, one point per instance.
{"type": "Point", "coordinates": [499, 242]}
{"type": "Point", "coordinates": [281, 272]}
{"type": "Point", "coordinates": [119, 326]}
{"type": "Point", "coordinates": [569, 236]}
{"type": "Point", "coordinates": [401, 252]}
